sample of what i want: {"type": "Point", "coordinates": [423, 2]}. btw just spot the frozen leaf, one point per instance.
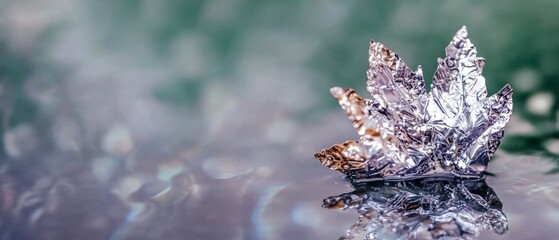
{"type": "Point", "coordinates": [406, 132]}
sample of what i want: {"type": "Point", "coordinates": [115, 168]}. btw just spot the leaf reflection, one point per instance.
{"type": "Point", "coordinates": [431, 208]}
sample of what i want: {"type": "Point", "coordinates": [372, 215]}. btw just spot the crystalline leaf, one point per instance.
{"type": "Point", "coordinates": [405, 131]}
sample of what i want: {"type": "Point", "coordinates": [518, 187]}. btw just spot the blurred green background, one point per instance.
{"type": "Point", "coordinates": [265, 50]}
{"type": "Point", "coordinates": [128, 96]}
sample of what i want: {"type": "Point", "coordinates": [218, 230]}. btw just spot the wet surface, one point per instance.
{"type": "Point", "coordinates": [272, 192]}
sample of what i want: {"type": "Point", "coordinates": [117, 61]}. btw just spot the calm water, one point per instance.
{"type": "Point", "coordinates": [250, 191]}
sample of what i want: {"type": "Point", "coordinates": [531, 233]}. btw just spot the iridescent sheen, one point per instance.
{"type": "Point", "coordinates": [406, 132]}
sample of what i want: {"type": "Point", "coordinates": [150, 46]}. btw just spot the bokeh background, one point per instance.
{"type": "Point", "coordinates": [137, 119]}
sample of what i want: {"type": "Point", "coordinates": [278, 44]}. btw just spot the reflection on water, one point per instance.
{"type": "Point", "coordinates": [422, 209]}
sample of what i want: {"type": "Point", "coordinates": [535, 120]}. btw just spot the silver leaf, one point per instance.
{"type": "Point", "coordinates": [406, 132]}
